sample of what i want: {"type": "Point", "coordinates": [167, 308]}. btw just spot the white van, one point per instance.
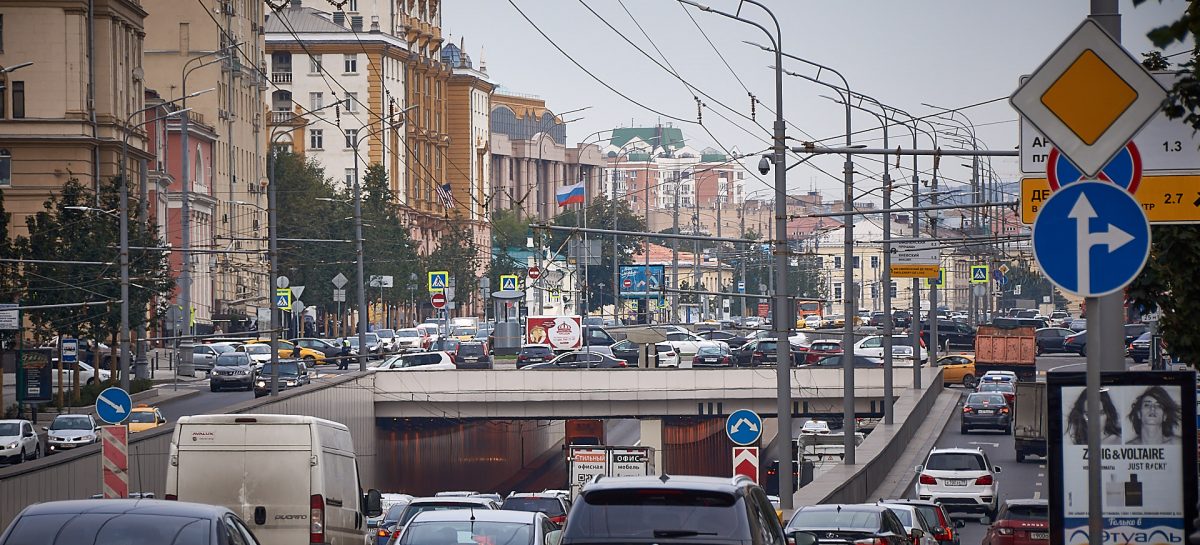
{"type": "Point", "coordinates": [293, 479]}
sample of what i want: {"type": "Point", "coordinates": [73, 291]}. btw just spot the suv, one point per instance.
{"type": "Point", "coordinates": [1020, 522]}
{"type": "Point", "coordinates": [959, 479]}
{"type": "Point", "coordinates": [472, 355]}
{"type": "Point", "coordinates": [673, 509]}
{"type": "Point", "coordinates": [951, 334]}
{"type": "Point", "coordinates": [534, 353]}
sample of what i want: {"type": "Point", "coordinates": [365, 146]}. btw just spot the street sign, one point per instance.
{"type": "Point", "coordinates": [297, 291]}
{"type": "Point", "coordinates": [339, 281]}
{"type": "Point", "coordinates": [10, 316]}
{"type": "Point", "coordinates": [1125, 169]}
{"type": "Point", "coordinates": [382, 281]}
{"type": "Point", "coordinates": [281, 281]}
{"type": "Point", "coordinates": [298, 306]}
{"type": "Point", "coordinates": [631, 462]}
{"type": "Point", "coordinates": [914, 260]}
{"type": "Point", "coordinates": [438, 300]}
{"type": "Point", "coordinates": [508, 282]}
{"type": "Point", "coordinates": [1104, 226]}
{"type": "Point", "coordinates": [1165, 199]}
{"type": "Point", "coordinates": [1089, 98]}
{"type": "Point", "coordinates": [1001, 278]}
{"type": "Point", "coordinates": [70, 350]}
{"type": "Point", "coordinates": [979, 274]}
{"type": "Point", "coordinates": [741, 287]}
{"type": "Point", "coordinates": [938, 281]}
{"type": "Point", "coordinates": [744, 427]}
{"type": "Point", "coordinates": [586, 465]}
{"type": "Point", "coordinates": [339, 296]}
{"type": "Point", "coordinates": [1003, 268]}
{"type": "Point", "coordinates": [114, 461]}
{"type": "Point", "coordinates": [438, 280]}
{"type": "Point", "coordinates": [283, 298]}
{"type": "Point", "coordinates": [640, 282]}
{"type": "Point", "coordinates": [534, 273]}
{"type": "Point", "coordinates": [745, 462]}
{"type": "Point", "coordinates": [764, 309]}
{"type": "Point", "coordinates": [113, 405]}
{"type": "Point", "coordinates": [1165, 144]}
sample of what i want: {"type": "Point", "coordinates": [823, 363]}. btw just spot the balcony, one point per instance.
{"type": "Point", "coordinates": [282, 117]}
{"type": "Point", "coordinates": [281, 77]}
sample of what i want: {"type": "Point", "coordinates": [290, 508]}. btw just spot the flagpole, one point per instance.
{"type": "Point", "coordinates": [587, 254]}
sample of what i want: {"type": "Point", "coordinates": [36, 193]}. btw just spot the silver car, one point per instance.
{"type": "Point", "coordinates": [70, 431]}
{"type": "Point", "coordinates": [232, 370]}
{"type": "Point", "coordinates": [204, 356]}
{"type": "Point", "coordinates": [482, 525]}
{"type": "Point", "coordinates": [18, 442]}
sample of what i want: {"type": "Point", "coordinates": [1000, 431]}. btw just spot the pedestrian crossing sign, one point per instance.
{"type": "Point", "coordinates": [979, 274]}
{"type": "Point", "coordinates": [283, 298]}
{"type": "Point", "coordinates": [508, 282]}
{"type": "Point", "coordinates": [438, 280]}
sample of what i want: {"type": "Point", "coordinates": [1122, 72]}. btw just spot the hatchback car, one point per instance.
{"type": "Point", "coordinates": [552, 505]}
{"type": "Point", "coordinates": [232, 370]}
{"type": "Point", "coordinates": [144, 417]}
{"type": "Point", "coordinates": [69, 431]}
{"type": "Point", "coordinates": [986, 410]}
{"type": "Point", "coordinates": [834, 523]}
{"type": "Point", "coordinates": [957, 369]}
{"type": "Point", "coordinates": [475, 527]}
{"type": "Point", "coordinates": [960, 479]}
{"type": "Point", "coordinates": [534, 353]}
{"type": "Point", "coordinates": [819, 350]}
{"type": "Point", "coordinates": [1020, 522]}
{"type": "Point", "coordinates": [18, 442]}
{"type": "Point", "coordinates": [128, 522]}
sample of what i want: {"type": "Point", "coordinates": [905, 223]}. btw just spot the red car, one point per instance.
{"type": "Point", "coordinates": [1020, 522]}
{"type": "Point", "coordinates": [820, 350]}
{"type": "Point", "coordinates": [1006, 388]}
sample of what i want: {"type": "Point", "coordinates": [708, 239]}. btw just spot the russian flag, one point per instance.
{"type": "Point", "coordinates": [570, 194]}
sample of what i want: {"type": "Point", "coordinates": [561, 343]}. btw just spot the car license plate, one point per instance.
{"type": "Point", "coordinates": [955, 482]}
{"type": "Point", "coordinates": [986, 411]}
{"type": "Point", "coordinates": [710, 360]}
{"type": "Point", "coordinates": [1039, 535]}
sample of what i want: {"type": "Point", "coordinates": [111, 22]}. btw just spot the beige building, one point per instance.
{"type": "Point", "coordinates": [219, 44]}
{"type": "Point", "coordinates": [64, 110]}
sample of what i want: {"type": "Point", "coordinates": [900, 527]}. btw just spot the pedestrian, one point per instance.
{"type": "Point", "coordinates": [344, 357]}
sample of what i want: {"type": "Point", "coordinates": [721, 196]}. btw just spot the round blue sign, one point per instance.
{"type": "Point", "coordinates": [744, 427]}
{"type": "Point", "coordinates": [1125, 169]}
{"type": "Point", "coordinates": [113, 405]}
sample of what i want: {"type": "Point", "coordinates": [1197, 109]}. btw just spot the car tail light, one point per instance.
{"type": "Point", "coordinates": [727, 360]}
{"type": "Point", "coordinates": [927, 479]}
{"type": "Point", "coordinates": [1004, 531]}
{"type": "Point", "coordinates": [985, 480]}
{"type": "Point", "coordinates": [383, 533]}
{"type": "Point", "coordinates": [871, 541]}
{"type": "Point", "coordinates": [758, 354]}
{"type": "Point", "coordinates": [559, 520]}
{"type": "Point", "coordinates": [967, 409]}
{"type": "Point", "coordinates": [1003, 410]}
{"type": "Point", "coordinates": [316, 519]}
{"type": "Point", "coordinates": [396, 535]}
{"type": "Point", "coordinates": [171, 497]}
{"type": "Point", "coordinates": [622, 363]}
{"type": "Point", "coordinates": [696, 359]}
{"type": "Point", "coordinates": [942, 533]}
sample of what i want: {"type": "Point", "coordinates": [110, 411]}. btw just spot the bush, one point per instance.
{"type": "Point", "coordinates": [89, 392]}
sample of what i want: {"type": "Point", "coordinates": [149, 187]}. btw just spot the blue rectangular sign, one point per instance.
{"type": "Point", "coordinates": [637, 284]}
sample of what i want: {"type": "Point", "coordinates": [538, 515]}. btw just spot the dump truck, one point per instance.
{"type": "Point", "coordinates": [1006, 349]}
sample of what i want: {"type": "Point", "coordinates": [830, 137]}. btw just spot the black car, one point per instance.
{"type": "Point", "coordinates": [834, 523]}
{"type": "Point", "coordinates": [472, 355]}
{"type": "Point", "coordinates": [1139, 349]}
{"type": "Point", "coordinates": [986, 410]}
{"type": "Point", "coordinates": [901, 318]}
{"type": "Point", "coordinates": [713, 356]}
{"type": "Point", "coordinates": [330, 350]}
{"type": "Point", "coordinates": [131, 521]}
{"type": "Point", "coordinates": [628, 350]}
{"type": "Point", "coordinates": [1076, 343]}
{"type": "Point", "coordinates": [764, 352]}
{"type": "Point", "coordinates": [951, 334]}
{"type": "Point", "coordinates": [1051, 339]}
{"type": "Point", "coordinates": [581, 360]}
{"type": "Point", "coordinates": [534, 353]}
{"type": "Point", "coordinates": [292, 374]}
{"type": "Point", "coordinates": [732, 339]}
{"type": "Point", "coordinates": [232, 370]}
{"type": "Point", "coordinates": [865, 362]}
{"type": "Point", "coordinates": [1133, 331]}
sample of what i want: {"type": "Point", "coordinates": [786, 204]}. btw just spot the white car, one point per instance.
{"type": "Point", "coordinates": [18, 441]}
{"type": "Point", "coordinates": [87, 374]}
{"type": "Point", "coordinates": [417, 361]}
{"type": "Point", "coordinates": [812, 321]}
{"type": "Point", "coordinates": [260, 353]}
{"type": "Point", "coordinates": [409, 338]}
{"type": "Point", "coordinates": [961, 479]}
{"type": "Point", "coordinates": [387, 339]}
{"type": "Point", "coordinates": [815, 427]}
{"type": "Point", "coordinates": [901, 347]}
{"type": "Point", "coordinates": [687, 344]}
{"type": "Point", "coordinates": [70, 431]}
{"type": "Point", "coordinates": [432, 331]}
{"type": "Point", "coordinates": [800, 339]}
{"type": "Point", "coordinates": [912, 519]}
{"type": "Point", "coordinates": [999, 376]}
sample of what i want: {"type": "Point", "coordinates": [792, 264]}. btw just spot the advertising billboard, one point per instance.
{"type": "Point", "coordinates": [639, 283]}
{"type": "Point", "coordinates": [1148, 483]}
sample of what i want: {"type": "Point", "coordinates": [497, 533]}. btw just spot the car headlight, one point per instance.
{"type": "Point", "coordinates": [12, 445]}
{"type": "Point", "coordinates": [292, 383]}
{"type": "Point", "coordinates": [261, 384]}
{"type": "Point", "coordinates": [88, 438]}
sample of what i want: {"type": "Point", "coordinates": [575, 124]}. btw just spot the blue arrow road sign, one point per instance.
{"type": "Point", "coordinates": [744, 427]}
{"type": "Point", "coordinates": [1106, 228]}
{"type": "Point", "coordinates": [113, 405]}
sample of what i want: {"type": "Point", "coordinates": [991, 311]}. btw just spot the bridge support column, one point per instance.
{"type": "Point", "coordinates": [651, 434]}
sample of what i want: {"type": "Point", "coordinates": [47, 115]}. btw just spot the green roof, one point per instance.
{"type": "Point", "coordinates": [668, 137]}
{"type": "Point", "coordinates": [638, 157]}
{"type": "Point", "coordinates": [713, 158]}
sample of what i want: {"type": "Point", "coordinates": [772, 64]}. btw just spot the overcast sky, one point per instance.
{"type": "Point", "coordinates": [949, 53]}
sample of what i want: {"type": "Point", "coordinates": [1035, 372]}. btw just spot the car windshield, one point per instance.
{"type": "Point", "coordinates": [221, 348]}
{"type": "Point", "coordinates": [550, 506]}
{"type": "Point", "coordinates": [468, 532]}
{"type": "Point", "coordinates": [709, 351]}
{"type": "Point", "coordinates": [470, 350]}
{"type": "Point", "coordinates": [536, 351]}
{"type": "Point", "coordinates": [464, 331]}
{"type": "Point", "coordinates": [652, 513]}
{"type": "Point", "coordinates": [232, 360]}
{"type": "Point", "coordinates": [981, 399]}
{"type": "Point", "coordinates": [415, 509]}
{"type": "Point", "coordinates": [372, 338]}
{"type": "Point", "coordinates": [408, 333]}
{"type": "Point", "coordinates": [142, 417]}
{"type": "Point", "coordinates": [624, 345]}
{"type": "Point", "coordinates": [1028, 512]}
{"type": "Point", "coordinates": [71, 423]}
{"type": "Point", "coordinates": [835, 518]}
{"type": "Point", "coordinates": [393, 513]}
{"type": "Point", "coordinates": [285, 368]}
{"type": "Point", "coordinates": [955, 461]}
{"type": "Point", "coordinates": [9, 429]}
{"type": "Point", "coordinates": [352, 340]}
{"type": "Point", "coordinates": [256, 348]}
{"type": "Point", "coordinates": [59, 528]}
{"type": "Point", "coordinates": [385, 333]}
{"type": "Point", "coordinates": [996, 387]}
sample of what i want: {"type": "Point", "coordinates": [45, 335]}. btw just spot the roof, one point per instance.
{"type": "Point", "coordinates": [956, 450]}
{"type": "Point", "coordinates": [481, 515]}
{"type": "Point", "coordinates": [453, 500]}
{"type": "Point", "coordinates": [1027, 502]}
{"type": "Point", "coordinates": [117, 506]}
{"type": "Point", "coordinates": [306, 20]}
{"type": "Point", "coordinates": [659, 136]}
{"type": "Point", "coordinates": [669, 482]}
{"type": "Point", "coordinates": [867, 507]}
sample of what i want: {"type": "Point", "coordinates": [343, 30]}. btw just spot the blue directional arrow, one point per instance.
{"type": "Point", "coordinates": [744, 427]}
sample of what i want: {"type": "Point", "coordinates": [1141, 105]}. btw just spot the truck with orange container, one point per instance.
{"type": "Point", "coordinates": [1000, 348]}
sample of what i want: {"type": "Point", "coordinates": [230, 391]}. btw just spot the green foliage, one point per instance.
{"type": "Point", "coordinates": [62, 231]}
{"type": "Point", "coordinates": [458, 254]}
{"type": "Point", "coordinates": [602, 214]}
{"type": "Point", "coordinates": [89, 392]}
{"type": "Point", "coordinates": [509, 230]}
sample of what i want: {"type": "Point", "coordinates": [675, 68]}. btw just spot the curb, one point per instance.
{"type": "Point", "coordinates": [935, 425]}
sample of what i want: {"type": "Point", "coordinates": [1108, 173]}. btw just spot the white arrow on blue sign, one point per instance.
{"type": "Point", "coordinates": [113, 405]}
{"type": "Point", "coordinates": [744, 427]}
{"type": "Point", "coordinates": [1107, 229]}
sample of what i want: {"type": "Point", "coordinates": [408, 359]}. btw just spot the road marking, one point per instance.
{"type": "Point", "coordinates": [993, 445]}
{"type": "Point", "coordinates": [1037, 495]}
{"type": "Point", "coordinates": [1041, 466]}
{"type": "Point", "coordinates": [1041, 475]}
{"type": "Point", "coordinates": [1067, 365]}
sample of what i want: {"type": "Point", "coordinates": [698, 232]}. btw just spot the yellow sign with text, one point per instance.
{"type": "Point", "coordinates": [1166, 199]}
{"type": "Point", "coordinates": [914, 271]}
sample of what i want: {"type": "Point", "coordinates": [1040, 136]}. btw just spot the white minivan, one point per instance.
{"type": "Point", "coordinates": [293, 479]}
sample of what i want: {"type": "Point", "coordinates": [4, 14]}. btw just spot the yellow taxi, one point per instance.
{"type": "Point", "coordinates": [957, 369]}
{"type": "Point", "coordinates": [144, 417]}
{"type": "Point", "coordinates": [288, 350]}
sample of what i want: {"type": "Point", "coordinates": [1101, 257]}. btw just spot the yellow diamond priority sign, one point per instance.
{"type": "Point", "coordinates": [1090, 97]}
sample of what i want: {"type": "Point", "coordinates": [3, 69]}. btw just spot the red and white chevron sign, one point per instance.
{"type": "Point", "coordinates": [745, 462]}
{"type": "Point", "coordinates": [114, 455]}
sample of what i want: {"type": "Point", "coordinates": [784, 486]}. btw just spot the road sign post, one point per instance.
{"type": "Point", "coordinates": [114, 467]}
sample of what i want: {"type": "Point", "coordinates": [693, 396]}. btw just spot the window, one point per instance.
{"type": "Point", "coordinates": [1, 32]}
{"type": "Point", "coordinates": [351, 102]}
{"type": "Point", "coordinates": [837, 261]}
{"type": "Point", "coordinates": [350, 176]}
{"type": "Point", "coordinates": [874, 291]}
{"type": "Point", "coordinates": [5, 168]}
{"type": "Point", "coordinates": [837, 291]}
{"type": "Point", "coordinates": [874, 262]}
{"type": "Point", "coordinates": [316, 101]}
{"type": "Point", "coordinates": [893, 290]}
{"type": "Point", "coordinates": [351, 137]}
{"type": "Point", "coordinates": [857, 262]}
{"type": "Point", "coordinates": [314, 64]}
{"type": "Point", "coordinates": [316, 138]}
{"type": "Point", "coordinates": [352, 6]}
{"type": "Point", "coordinates": [350, 64]}
{"type": "Point", "coordinates": [18, 99]}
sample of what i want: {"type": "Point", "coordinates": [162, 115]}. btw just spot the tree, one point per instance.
{"type": "Point", "coordinates": [1169, 282]}
{"type": "Point", "coordinates": [457, 254]}
{"type": "Point", "coordinates": [600, 215]}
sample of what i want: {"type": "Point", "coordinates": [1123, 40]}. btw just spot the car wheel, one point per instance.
{"type": "Point", "coordinates": [91, 381]}
{"type": "Point", "coordinates": [1083, 351]}
{"type": "Point", "coordinates": [968, 380]}
{"type": "Point", "coordinates": [309, 360]}
{"type": "Point", "coordinates": [964, 430]}
{"type": "Point", "coordinates": [212, 386]}
{"type": "Point", "coordinates": [37, 450]}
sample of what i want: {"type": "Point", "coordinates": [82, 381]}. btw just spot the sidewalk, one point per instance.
{"type": "Point", "coordinates": [900, 479]}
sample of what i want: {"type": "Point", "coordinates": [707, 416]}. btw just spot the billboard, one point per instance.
{"type": "Point", "coordinates": [1148, 483]}
{"type": "Point", "coordinates": [639, 283]}
{"type": "Point", "coordinates": [34, 376]}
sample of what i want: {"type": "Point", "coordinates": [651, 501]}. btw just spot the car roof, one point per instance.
{"type": "Point", "coordinates": [68, 416]}
{"type": "Point", "coordinates": [547, 495]}
{"type": "Point", "coordinates": [485, 502]}
{"type": "Point", "coordinates": [1027, 502]}
{"type": "Point", "coordinates": [865, 507]}
{"type": "Point", "coordinates": [669, 482]}
{"type": "Point", "coordinates": [13, 421]}
{"type": "Point", "coordinates": [480, 515]}
{"type": "Point", "coordinates": [906, 501]}
{"type": "Point", "coordinates": [117, 506]}
{"type": "Point", "coordinates": [955, 450]}
{"type": "Point", "coordinates": [143, 409]}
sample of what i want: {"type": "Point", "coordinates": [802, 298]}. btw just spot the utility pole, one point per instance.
{"type": "Point", "coordinates": [701, 300]}
{"type": "Point", "coordinates": [933, 288]}
{"type": "Point", "coordinates": [675, 253]}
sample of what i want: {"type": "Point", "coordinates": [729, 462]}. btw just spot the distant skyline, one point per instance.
{"type": "Point", "coordinates": [945, 53]}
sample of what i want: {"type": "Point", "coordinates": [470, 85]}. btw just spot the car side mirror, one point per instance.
{"type": "Point", "coordinates": [996, 469]}
{"type": "Point", "coordinates": [960, 523]}
{"type": "Point", "coordinates": [554, 537]}
{"type": "Point", "coordinates": [803, 538]}
{"type": "Point", "coordinates": [372, 524]}
{"type": "Point", "coordinates": [917, 534]}
{"type": "Point", "coordinates": [44, 428]}
{"type": "Point", "coordinates": [373, 503]}
{"type": "Point", "coordinates": [919, 468]}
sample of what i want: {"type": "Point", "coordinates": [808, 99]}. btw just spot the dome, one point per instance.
{"type": "Point", "coordinates": [454, 56]}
